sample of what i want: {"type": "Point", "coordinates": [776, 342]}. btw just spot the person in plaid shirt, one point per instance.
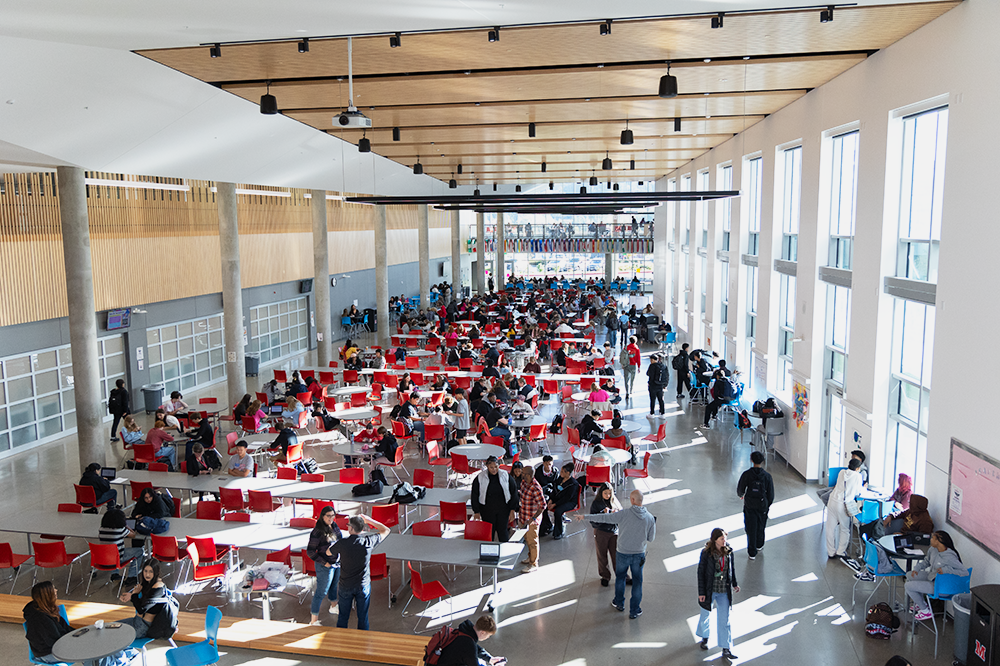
{"type": "Point", "coordinates": [532, 506]}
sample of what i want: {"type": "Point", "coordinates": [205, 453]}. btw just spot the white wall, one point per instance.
{"type": "Point", "coordinates": [951, 56]}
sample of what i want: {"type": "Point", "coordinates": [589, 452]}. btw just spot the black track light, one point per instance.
{"type": "Point", "coordinates": [615, 187]}
{"type": "Point", "coordinates": [552, 185]}
{"type": "Point", "coordinates": [583, 189]}
{"type": "Point", "coordinates": [677, 124]}
{"type": "Point", "coordinates": [364, 145]}
{"type": "Point", "coordinates": [606, 164]}
{"type": "Point", "coordinates": [531, 130]}
{"type": "Point", "coordinates": [268, 102]}
{"type": "Point", "coordinates": [215, 51]}
{"type": "Point", "coordinates": [826, 16]}
{"type": "Point", "coordinates": [544, 167]}
{"type": "Point", "coordinates": [606, 27]}
{"type": "Point", "coordinates": [593, 181]}
{"type": "Point", "coordinates": [452, 184]}
{"type": "Point", "coordinates": [668, 85]}
{"type": "Point", "coordinates": [517, 188]}
{"type": "Point", "coordinates": [717, 21]}
{"type": "Point", "coordinates": [631, 165]}
{"type": "Point", "coordinates": [494, 187]}
{"type": "Point", "coordinates": [395, 135]}
{"type": "Point", "coordinates": [396, 40]}
{"type": "Point", "coordinates": [418, 168]}
{"type": "Point", "coordinates": [627, 138]}
{"type": "Point", "coordinates": [460, 168]}
{"type": "Point", "coordinates": [476, 192]}
{"type": "Point", "coordinates": [609, 184]}
{"type": "Point", "coordinates": [304, 45]}
{"type": "Point", "coordinates": [494, 35]}
{"type": "Point", "coordinates": [640, 183]}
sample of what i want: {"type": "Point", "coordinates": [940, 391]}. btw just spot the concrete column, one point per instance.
{"type": "Point", "coordinates": [609, 268]}
{"type": "Point", "coordinates": [232, 292]}
{"type": "Point", "coordinates": [456, 255]}
{"type": "Point", "coordinates": [501, 237]}
{"type": "Point", "coordinates": [382, 277]}
{"type": "Point", "coordinates": [481, 254]}
{"type": "Point", "coordinates": [424, 252]}
{"type": "Point", "coordinates": [321, 278]}
{"type": "Point", "coordinates": [92, 439]}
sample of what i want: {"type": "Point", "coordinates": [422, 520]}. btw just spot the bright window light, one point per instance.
{"type": "Point", "coordinates": [514, 619]}
{"type": "Point", "coordinates": [734, 522]}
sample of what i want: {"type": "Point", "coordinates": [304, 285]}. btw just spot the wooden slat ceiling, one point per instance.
{"type": "Point", "coordinates": [459, 99]}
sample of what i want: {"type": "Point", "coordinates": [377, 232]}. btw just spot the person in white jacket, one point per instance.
{"type": "Point", "coordinates": [840, 509]}
{"type": "Point", "coordinates": [941, 558]}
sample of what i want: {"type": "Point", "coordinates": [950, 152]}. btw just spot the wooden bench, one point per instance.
{"type": "Point", "coordinates": [273, 636]}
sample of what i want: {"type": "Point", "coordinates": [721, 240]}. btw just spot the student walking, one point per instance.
{"type": "Point", "coordinates": [756, 489]}
{"type": "Point", "coordinates": [716, 584]}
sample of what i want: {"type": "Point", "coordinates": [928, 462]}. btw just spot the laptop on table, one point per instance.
{"type": "Point", "coordinates": [489, 553]}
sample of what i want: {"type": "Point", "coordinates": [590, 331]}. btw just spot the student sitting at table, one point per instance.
{"type": "Point", "coordinates": [201, 432]}
{"type": "Point", "coordinates": [405, 384]}
{"type": "Point", "coordinates": [616, 432]}
{"type": "Point", "coordinates": [290, 414]}
{"type": "Point", "coordinates": [156, 438]}
{"type": "Point", "coordinates": [132, 433]}
{"type": "Point", "coordinates": [440, 383]}
{"type": "Point", "coordinates": [599, 399]}
{"type": "Point", "coordinates": [295, 386]}
{"type": "Point", "coordinates": [175, 406]}
{"type": "Point", "coordinates": [316, 389]}
{"type": "Point", "coordinates": [559, 358]}
{"type": "Point", "coordinates": [368, 433]}
{"type": "Point", "coordinates": [114, 530]}
{"type": "Point", "coordinates": [521, 409]}
{"type": "Point", "coordinates": [941, 558]}
{"type": "Point", "coordinates": [256, 412]}
{"type": "Point", "coordinates": [589, 430]}
{"type": "Point", "coordinates": [240, 463]}
{"type": "Point", "coordinates": [102, 487]}
{"type": "Point", "coordinates": [195, 463]}
{"type": "Point", "coordinates": [240, 410]}
{"type": "Point", "coordinates": [532, 367]}
{"type": "Point", "coordinates": [505, 369]}
{"type": "Point", "coordinates": [491, 369]}
{"type": "Point", "coordinates": [279, 447]}
{"type": "Point", "coordinates": [379, 361]}
{"type": "Point", "coordinates": [411, 415]}
{"type": "Point", "coordinates": [155, 609]}
{"type": "Point", "coordinates": [271, 390]}
{"type": "Point", "coordinates": [386, 446]}
{"type": "Point", "coordinates": [915, 520]}
{"type": "Point", "coordinates": [149, 505]}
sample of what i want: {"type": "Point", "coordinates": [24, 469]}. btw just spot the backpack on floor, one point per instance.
{"type": "Point", "coordinates": [307, 466]}
{"type": "Point", "coordinates": [880, 621]}
{"type": "Point", "coordinates": [556, 426]}
{"type": "Point", "coordinates": [743, 421]}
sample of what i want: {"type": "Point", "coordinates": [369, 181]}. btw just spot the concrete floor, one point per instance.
{"type": "Point", "coordinates": [795, 605]}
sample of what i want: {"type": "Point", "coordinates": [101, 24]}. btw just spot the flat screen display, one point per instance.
{"type": "Point", "coordinates": [118, 319]}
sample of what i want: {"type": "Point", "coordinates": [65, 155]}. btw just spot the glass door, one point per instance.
{"type": "Point", "coordinates": [833, 428]}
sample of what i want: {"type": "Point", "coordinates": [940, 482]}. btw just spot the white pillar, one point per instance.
{"type": "Point", "coordinates": [499, 277]}
{"type": "Point", "coordinates": [321, 278]}
{"type": "Point", "coordinates": [232, 292]}
{"type": "Point", "coordinates": [381, 277]}
{"type": "Point", "coordinates": [92, 440]}
{"type": "Point", "coordinates": [424, 253]}
{"type": "Point", "coordinates": [609, 267]}
{"type": "Point", "coordinates": [456, 255]}
{"type": "Point", "coordinates": [481, 254]}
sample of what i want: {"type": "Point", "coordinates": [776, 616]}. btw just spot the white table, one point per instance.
{"type": "Point", "coordinates": [355, 414]}
{"type": "Point", "coordinates": [627, 426]}
{"type": "Point", "coordinates": [420, 353]}
{"type": "Point", "coordinates": [526, 423]}
{"type": "Point", "coordinates": [347, 390]}
{"type": "Point", "coordinates": [620, 457]}
{"type": "Point", "coordinates": [89, 643]}
{"type": "Point", "coordinates": [477, 451]}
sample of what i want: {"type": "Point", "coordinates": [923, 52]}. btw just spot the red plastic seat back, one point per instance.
{"type": "Point", "coordinates": [423, 477]}
{"type": "Point", "coordinates": [51, 555]}
{"type": "Point", "coordinates": [431, 528]}
{"type": "Point", "coordinates": [260, 501]}
{"type": "Point", "coordinates": [597, 474]}
{"type": "Point", "coordinates": [387, 514]}
{"type": "Point", "coordinates": [208, 510]}
{"type": "Point", "coordinates": [352, 475]}
{"type": "Point", "coordinates": [287, 473]}
{"type": "Point", "coordinates": [453, 513]}
{"type": "Point", "coordinates": [478, 530]}
{"type": "Point", "coordinates": [460, 463]}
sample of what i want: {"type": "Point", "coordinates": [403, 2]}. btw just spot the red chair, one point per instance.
{"type": "Point", "coordinates": [287, 474]}
{"type": "Point", "coordinates": [158, 467]}
{"type": "Point", "coordinates": [294, 454]}
{"type": "Point", "coordinates": [550, 386]}
{"type": "Point", "coordinates": [350, 376]}
{"type": "Point", "coordinates": [376, 393]}
{"type": "Point", "coordinates": [105, 557]}
{"type": "Point", "coordinates": [539, 433]}
{"type": "Point", "coordinates": [460, 465]}
{"type": "Point", "coordinates": [236, 518]}
{"type": "Point", "coordinates": [639, 473]}
{"type": "Point", "coordinates": [207, 550]}
{"type": "Point", "coordinates": [465, 364]}
{"type": "Point", "coordinates": [247, 425]}
{"type": "Point", "coordinates": [138, 487]}
{"type": "Point", "coordinates": [208, 510]}
{"type": "Point", "coordinates": [614, 443]}
{"type": "Point", "coordinates": [359, 400]}
{"type": "Point", "coordinates": [306, 374]}
{"type": "Point", "coordinates": [490, 439]}
{"type": "Point", "coordinates": [302, 522]}
{"type": "Point", "coordinates": [326, 378]}
{"type": "Point", "coordinates": [379, 570]}
{"type": "Point", "coordinates": [87, 498]}
{"type": "Point", "coordinates": [280, 376]}
{"type": "Point", "coordinates": [143, 454]}
{"type": "Point", "coordinates": [434, 432]}
{"type": "Point", "coordinates": [598, 474]}
{"type": "Point", "coordinates": [423, 477]}
{"type": "Point", "coordinates": [661, 434]}
{"type": "Point", "coordinates": [9, 560]}
{"type": "Point", "coordinates": [387, 514]}
{"type": "Point", "coordinates": [177, 508]}
{"type": "Point", "coordinates": [260, 501]}
{"type": "Point", "coordinates": [452, 513]}
{"type": "Point", "coordinates": [231, 439]}
{"type": "Point", "coordinates": [319, 505]}
{"type": "Point", "coordinates": [417, 378]}
{"type": "Point", "coordinates": [52, 555]}
{"type": "Point", "coordinates": [530, 380]}
{"type": "Point", "coordinates": [232, 499]}
{"type": "Point", "coordinates": [165, 549]}
{"type": "Point", "coordinates": [572, 436]}
{"type": "Point", "coordinates": [478, 530]}
{"type": "Point", "coordinates": [412, 362]}
{"type": "Point", "coordinates": [393, 464]}
{"type": "Point", "coordinates": [426, 592]}
{"type": "Point", "coordinates": [208, 401]}
{"type": "Point", "coordinates": [283, 556]}
{"type": "Point", "coordinates": [262, 397]}
{"type": "Point", "coordinates": [463, 382]}
{"type": "Point", "coordinates": [352, 475]}
{"type": "Point", "coordinates": [312, 478]}
{"type": "Point", "coordinates": [204, 572]}
{"type": "Point", "coordinates": [430, 528]}
{"type": "Point", "coordinates": [399, 432]}
{"type": "Point", "coordinates": [433, 457]}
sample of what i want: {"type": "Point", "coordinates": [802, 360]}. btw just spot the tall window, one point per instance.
{"type": "Point", "coordinates": [791, 188]}
{"type": "Point", "coordinates": [279, 329]}
{"type": "Point", "coordinates": [725, 206]}
{"type": "Point", "coordinates": [921, 185]}
{"type": "Point", "coordinates": [786, 330]}
{"type": "Point", "coordinates": [751, 302]}
{"type": "Point", "coordinates": [838, 323]}
{"type": "Point", "coordinates": [186, 355]}
{"type": "Point", "coordinates": [724, 292]}
{"type": "Point", "coordinates": [754, 172]}
{"type": "Point", "coordinates": [686, 209]}
{"type": "Point", "coordinates": [843, 192]}
{"type": "Point", "coordinates": [686, 244]}
{"type": "Point", "coordinates": [703, 186]}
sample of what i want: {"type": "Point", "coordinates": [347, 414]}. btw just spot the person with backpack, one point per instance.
{"type": "Point", "coordinates": [682, 366]}
{"type": "Point", "coordinates": [722, 394]}
{"type": "Point", "coordinates": [630, 365]}
{"type": "Point", "coordinates": [119, 404]}
{"type": "Point", "coordinates": [461, 647]}
{"type": "Point", "coordinates": [756, 489]}
{"type": "Point", "coordinates": [155, 608]}
{"type": "Point", "coordinates": [611, 322]}
{"type": "Point", "coordinates": [658, 378]}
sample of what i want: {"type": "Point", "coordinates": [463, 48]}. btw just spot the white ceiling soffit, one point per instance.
{"type": "Point", "coordinates": [121, 24]}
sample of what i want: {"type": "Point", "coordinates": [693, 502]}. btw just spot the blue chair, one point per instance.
{"type": "Point", "coordinates": [35, 660]}
{"type": "Point", "coordinates": [203, 653]}
{"type": "Point", "coordinates": [871, 567]}
{"type": "Point", "coordinates": [945, 587]}
{"type": "Point", "coordinates": [348, 325]}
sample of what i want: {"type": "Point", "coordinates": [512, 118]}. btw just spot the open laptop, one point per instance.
{"type": "Point", "coordinates": [901, 541]}
{"type": "Point", "coordinates": [277, 409]}
{"type": "Point", "coordinates": [109, 473]}
{"type": "Point", "coordinates": [489, 553]}
{"type": "Point", "coordinates": [130, 523]}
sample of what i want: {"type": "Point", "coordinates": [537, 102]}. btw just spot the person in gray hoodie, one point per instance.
{"type": "Point", "coordinates": [636, 527]}
{"type": "Point", "coordinates": [941, 558]}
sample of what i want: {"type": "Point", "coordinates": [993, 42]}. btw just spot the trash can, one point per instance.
{"type": "Point", "coordinates": [371, 319]}
{"type": "Point", "coordinates": [962, 603]}
{"type": "Point", "coordinates": [252, 363]}
{"type": "Point", "coordinates": [152, 396]}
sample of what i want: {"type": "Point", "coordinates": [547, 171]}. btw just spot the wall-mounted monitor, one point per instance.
{"type": "Point", "coordinates": [305, 286]}
{"type": "Point", "coordinates": [118, 319]}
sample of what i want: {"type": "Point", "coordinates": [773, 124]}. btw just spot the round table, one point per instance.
{"type": "Point", "coordinates": [477, 451]}
{"type": "Point", "coordinates": [352, 449]}
{"type": "Point", "coordinates": [580, 324]}
{"type": "Point", "coordinates": [347, 390]}
{"type": "Point", "coordinates": [620, 456]}
{"type": "Point", "coordinates": [91, 643]}
{"type": "Point", "coordinates": [355, 414]}
{"type": "Point", "coordinates": [582, 396]}
{"type": "Point", "coordinates": [627, 426]}
{"type": "Point", "coordinates": [528, 422]}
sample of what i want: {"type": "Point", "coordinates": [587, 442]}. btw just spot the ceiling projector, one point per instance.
{"type": "Point", "coordinates": [352, 118]}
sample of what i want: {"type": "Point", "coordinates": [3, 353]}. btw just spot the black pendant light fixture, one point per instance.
{"type": "Point", "coordinates": [364, 145]}
{"type": "Point", "coordinates": [615, 187]}
{"type": "Point", "coordinates": [583, 189]}
{"type": "Point", "coordinates": [668, 85]}
{"type": "Point", "coordinates": [606, 164]}
{"type": "Point", "coordinates": [418, 168]}
{"type": "Point", "coordinates": [531, 130]}
{"type": "Point", "coordinates": [544, 167]}
{"type": "Point", "coordinates": [494, 187]}
{"type": "Point", "coordinates": [452, 184]}
{"type": "Point", "coordinates": [395, 135]}
{"type": "Point", "coordinates": [631, 165]}
{"type": "Point", "coordinates": [460, 168]}
{"type": "Point", "coordinates": [215, 51]}
{"type": "Point", "coordinates": [268, 102]}
{"type": "Point", "coordinates": [593, 180]}
{"type": "Point", "coordinates": [304, 45]}
{"type": "Point", "coordinates": [552, 185]}
{"type": "Point", "coordinates": [627, 138]}
{"type": "Point", "coordinates": [677, 124]}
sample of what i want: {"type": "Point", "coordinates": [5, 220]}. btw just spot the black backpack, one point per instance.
{"type": "Point", "coordinates": [612, 322]}
{"type": "Point", "coordinates": [677, 362]}
{"type": "Point", "coordinates": [164, 623]}
{"type": "Point", "coordinates": [756, 495]}
{"type": "Point", "coordinates": [307, 466]}
{"type": "Point", "coordinates": [556, 426]}
{"type": "Point", "coordinates": [664, 375]}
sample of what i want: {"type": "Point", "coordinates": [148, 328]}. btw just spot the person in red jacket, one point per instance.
{"type": "Point", "coordinates": [634, 361]}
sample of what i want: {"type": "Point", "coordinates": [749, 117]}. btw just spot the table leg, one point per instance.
{"type": "Point", "coordinates": [266, 606]}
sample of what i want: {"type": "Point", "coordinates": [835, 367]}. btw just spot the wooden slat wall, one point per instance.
{"type": "Point", "coordinates": [152, 245]}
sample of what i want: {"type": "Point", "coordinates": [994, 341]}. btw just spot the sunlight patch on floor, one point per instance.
{"type": "Point", "coordinates": [651, 645]}
{"type": "Point", "coordinates": [807, 578]}
{"type": "Point", "coordinates": [734, 522]}
{"type": "Point", "coordinates": [514, 619]}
